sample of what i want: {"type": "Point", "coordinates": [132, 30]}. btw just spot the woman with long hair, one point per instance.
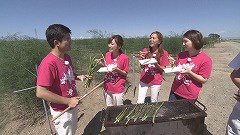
{"type": "Point", "coordinates": [151, 76]}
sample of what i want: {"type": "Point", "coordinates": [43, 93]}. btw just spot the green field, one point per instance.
{"type": "Point", "coordinates": [235, 40]}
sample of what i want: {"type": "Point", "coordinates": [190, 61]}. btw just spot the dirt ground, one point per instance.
{"type": "Point", "coordinates": [216, 95]}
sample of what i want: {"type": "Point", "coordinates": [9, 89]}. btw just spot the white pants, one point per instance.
{"type": "Point", "coordinates": [113, 99]}
{"type": "Point", "coordinates": [143, 87]}
{"type": "Point", "coordinates": [66, 124]}
{"type": "Point", "coordinates": [233, 125]}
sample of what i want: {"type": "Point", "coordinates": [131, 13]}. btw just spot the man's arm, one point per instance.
{"type": "Point", "coordinates": [44, 93]}
{"type": "Point", "coordinates": [235, 76]}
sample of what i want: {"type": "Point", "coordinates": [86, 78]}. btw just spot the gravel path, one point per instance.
{"type": "Point", "coordinates": [217, 93]}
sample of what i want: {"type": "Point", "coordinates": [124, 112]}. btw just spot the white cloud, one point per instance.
{"type": "Point", "coordinates": [221, 32]}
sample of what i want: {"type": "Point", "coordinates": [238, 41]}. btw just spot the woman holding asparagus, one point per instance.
{"type": "Point", "coordinates": [151, 76]}
{"type": "Point", "coordinates": [118, 66]}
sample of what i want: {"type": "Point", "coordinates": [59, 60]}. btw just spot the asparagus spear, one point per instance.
{"type": "Point", "coordinates": [121, 115]}
{"type": "Point", "coordinates": [117, 117]}
{"type": "Point", "coordinates": [104, 60]}
{"type": "Point", "coordinates": [146, 115]}
{"type": "Point", "coordinates": [139, 112]}
{"type": "Point", "coordinates": [153, 119]}
{"type": "Point", "coordinates": [131, 111]}
{"type": "Point", "coordinates": [131, 114]}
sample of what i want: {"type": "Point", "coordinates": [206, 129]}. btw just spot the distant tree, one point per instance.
{"type": "Point", "coordinates": [212, 35]}
{"type": "Point", "coordinates": [99, 34]}
{"type": "Point", "coordinates": [213, 38]}
{"type": "Point", "coordinates": [174, 34]}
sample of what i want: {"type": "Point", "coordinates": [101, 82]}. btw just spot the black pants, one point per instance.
{"type": "Point", "coordinates": [174, 96]}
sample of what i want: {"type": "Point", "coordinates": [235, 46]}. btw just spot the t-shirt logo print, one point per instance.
{"type": "Point", "coordinates": [113, 75]}
{"type": "Point", "coordinates": [150, 69]}
{"type": "Point", "coordinates": [186, 78]}
{"type": "Point", "coordinates": [69, 76]}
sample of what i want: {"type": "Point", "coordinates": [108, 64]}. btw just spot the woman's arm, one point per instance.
{"type": "Point", "coordinates": [159, 67]}
{"type": "Point", "coordinates": [195, 76]}
{"type": "Point", "coordinates": [204, 72]}
{"type": "Point", "coordinates": [164, 60]}
{"type": "Point", "coordinates": [122, 72]}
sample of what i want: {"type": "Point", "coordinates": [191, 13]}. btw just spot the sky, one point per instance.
{"type": "Point", "coordinates": [130, 18]}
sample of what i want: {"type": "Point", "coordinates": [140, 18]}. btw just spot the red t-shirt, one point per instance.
{"type": "Point", "coordinates": [152, 75]}
{"type": "Point", "coordinates": [184, 85]}
{"type": "Point", "coordinates": [58, 75]}
{"type": "Point", "coordinates": [115, 82]}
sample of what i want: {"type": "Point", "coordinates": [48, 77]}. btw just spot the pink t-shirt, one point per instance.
{"type": "Point", "coordinates": [152, 75]}
{"type": "Point", "coordinates": [184, 85]}
{"type": "Point", "coordinates": [58, 75]}
{"type": "Point", "coordinates": [115, 82]}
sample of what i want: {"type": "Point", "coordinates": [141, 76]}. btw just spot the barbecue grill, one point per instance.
{"type": "Point", "coordinates": [179, 117]}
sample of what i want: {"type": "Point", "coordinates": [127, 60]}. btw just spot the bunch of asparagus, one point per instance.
{"type": "Point", "coordinates": [91, 68]}
{"type": "Point", "coordinates": [141, 112]}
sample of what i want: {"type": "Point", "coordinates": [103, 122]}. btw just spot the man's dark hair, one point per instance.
{"type": "Point", "coordinates": [56, 32]}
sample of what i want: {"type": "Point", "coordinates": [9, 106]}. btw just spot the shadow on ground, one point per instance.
{"type": "Point", "coordinates": [95, 125]}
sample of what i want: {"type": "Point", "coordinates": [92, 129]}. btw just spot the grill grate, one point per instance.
{"type": "Point", "coordinates": [170, 111]}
